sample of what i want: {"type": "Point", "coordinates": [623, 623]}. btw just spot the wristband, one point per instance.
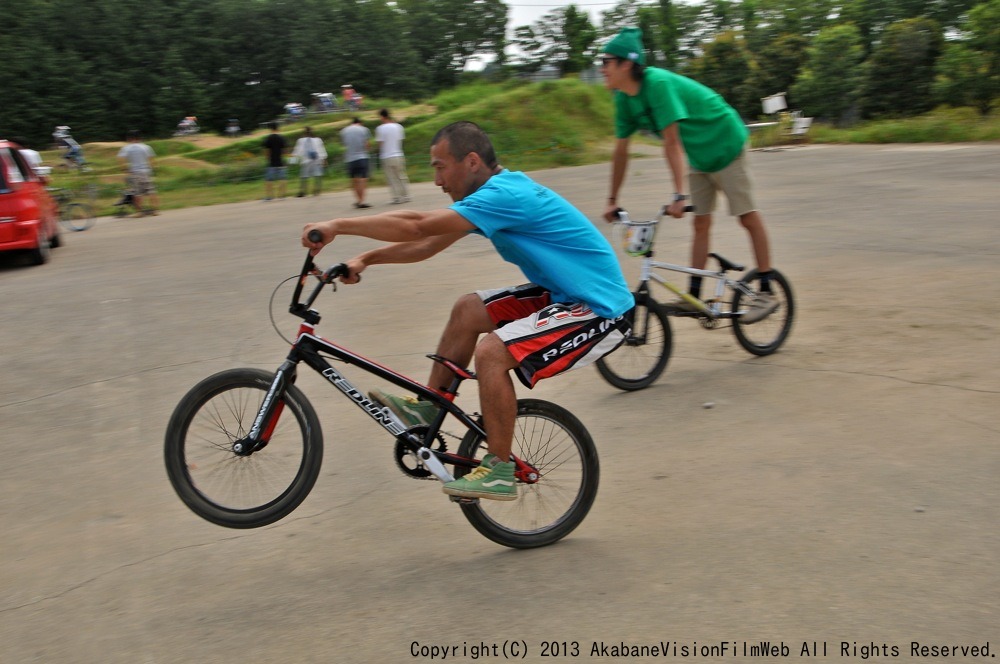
{"type": "Point", "coordinates": [680, 197]}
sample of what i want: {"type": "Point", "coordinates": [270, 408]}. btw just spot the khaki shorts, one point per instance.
{"type": "Point", "coordinates": [140, 184]}
{"type": "Point", "coordinates": [733, 180]}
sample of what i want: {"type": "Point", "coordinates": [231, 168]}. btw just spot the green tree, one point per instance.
{"type": "Point", "coordinates": [775, 66]}
{"type": "Point", "coordinates": [564, 38]}
{"type": "Point", "coordinates": [667, 33]}
{"type": "Point", "coordinates": [447, 33]}
{"type": "Point", "coordinates": [984, 26]}
{"type": "Point", "coordinates": [725, 68]}
{"type": "Point", "coordinates": [580, 36]}
{"type": "Point", "coordinates": [962, 78]}
{"type": "Point", "coordinates": [901, 69]}
{"type": "Point", "coordinates": [180, 94]}
{"type": "Point", "coordinates": [531, 48]}
{"type": "Point", "coordinates": [829, 85]}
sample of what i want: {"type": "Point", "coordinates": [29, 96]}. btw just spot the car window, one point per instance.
{"type": "Point", "coordinates": [10, 162]}
{"type": "Point", "coordinates": [27, 173]}
{"type": "Point", "coordinates": [3, 172]}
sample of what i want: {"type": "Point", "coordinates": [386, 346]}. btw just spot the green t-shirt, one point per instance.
{"type": "Point", "coordinates": [712, 131]}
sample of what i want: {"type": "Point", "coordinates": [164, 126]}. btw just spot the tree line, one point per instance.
{"type": "Point", "coordinates": [839, 60]}
{"type": "Point", "coordinates": [106, 66]}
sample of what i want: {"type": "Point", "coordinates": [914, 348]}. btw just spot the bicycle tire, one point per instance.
{"type": "Point", "coordinates": [555, 442]}
{"type": "Point", "coordinates": [640, 360]}
{"type": "Point", "coordinates": [768, 334]}
{"type": "Point", "coordinates": [77, 216]}
{"type": "Point", "coordinates": [263, 487]}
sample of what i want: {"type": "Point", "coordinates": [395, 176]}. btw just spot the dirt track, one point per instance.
{"type": "Point", "coordinates": [842, 490]}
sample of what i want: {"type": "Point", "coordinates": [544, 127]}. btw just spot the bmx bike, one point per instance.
{"type": "Point", "coordinates": [73, 214]}
{"type": "Point", "coordinates": [243, 448]}
{"type": "Point", "coordinates": [640, 360]}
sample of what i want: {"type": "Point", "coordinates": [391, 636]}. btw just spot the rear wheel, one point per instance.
{"type": "Point", "coordinates": [553, 441]}
{"type": "Point", "coordinates": [768, 334]}
{"type": "Point", "coordinates": [43, 249]}
{"type": "Point", "coordinates": [230, 489]}
{"type": "Point", "coordinates": [640, 360]}
{"type": "Point", "coordinates": [77, 216]}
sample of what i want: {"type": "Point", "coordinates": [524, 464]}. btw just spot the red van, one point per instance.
{"type": "Point", "coordinates": [27, 213]}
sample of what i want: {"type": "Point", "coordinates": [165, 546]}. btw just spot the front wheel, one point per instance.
{"type": "Point", "coordinates": [77, 216]}
{"type": "Point", "coordinates": [233, 490]}
{"type": "Point", "coordinates": [768, 334]}
{"type": "Point", "coordinates": [643, 356]}
{"type": "Point", "coordinates": [553, 441]}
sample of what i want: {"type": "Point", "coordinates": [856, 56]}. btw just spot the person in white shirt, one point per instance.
{"type": "Point", "coordinates": [137, 160]}
{"type": "Point", "coordinates": [390, 135]}
{"type": "Point", "coordinates": [311, 155]}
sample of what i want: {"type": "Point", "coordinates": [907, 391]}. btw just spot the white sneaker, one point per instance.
{"type": "Point", "coordinates": [760, 307]}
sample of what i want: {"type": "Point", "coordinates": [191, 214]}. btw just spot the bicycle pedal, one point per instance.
{"type": "Point", "coordinates": [461, 500]}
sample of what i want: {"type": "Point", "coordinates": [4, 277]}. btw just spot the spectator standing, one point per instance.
{"type": "Point", "coordinates": [311, 154]}
{"type": "Point", "coordinates": [274, 144]}
{"type": "Point", "coordinates": [357, 143]}
{"type": "Point", "coordinates": [389, 135]}
{"type": "Point", "coordinates": [137, 160]}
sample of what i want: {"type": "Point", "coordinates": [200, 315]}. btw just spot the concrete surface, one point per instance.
{"type": "Point", "coordinates": [841, 491]}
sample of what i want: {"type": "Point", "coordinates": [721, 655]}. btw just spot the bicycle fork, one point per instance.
{"type": "Point", "coordinates": [269, 413]}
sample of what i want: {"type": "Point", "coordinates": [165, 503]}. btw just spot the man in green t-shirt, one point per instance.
{"type": "Point", "coordinates": [700, 132]}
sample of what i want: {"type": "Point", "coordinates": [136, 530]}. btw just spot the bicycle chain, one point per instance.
{"type": "Point", "coordinates": [402, 453]}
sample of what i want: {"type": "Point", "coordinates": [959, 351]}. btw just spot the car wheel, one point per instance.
{"type": "Point", "coordinates": [43, 251]}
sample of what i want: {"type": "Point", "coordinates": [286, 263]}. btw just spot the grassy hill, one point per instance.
{"type": "Point", "coordinates": [533, 126]}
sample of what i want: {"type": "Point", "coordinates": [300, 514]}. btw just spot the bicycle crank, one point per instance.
{"type": "Point", "coordinates": [407, 461]}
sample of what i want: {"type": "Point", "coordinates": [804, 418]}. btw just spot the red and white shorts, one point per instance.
{"type": "Point", "coordinates": [546, 338]}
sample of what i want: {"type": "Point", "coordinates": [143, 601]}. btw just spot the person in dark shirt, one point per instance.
{"type": "Point", "coordinates": [274, 145]}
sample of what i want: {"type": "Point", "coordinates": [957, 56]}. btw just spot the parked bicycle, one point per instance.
{"type": "Point", "coordinates": [644, 355]}
{"type": "Point", "coordinates": [243, 447]}
{"type": "Point", "coordinates": [73, 214]}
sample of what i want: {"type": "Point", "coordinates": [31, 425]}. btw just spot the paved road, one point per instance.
{"type": "Point", "coordinates": [842, 490]}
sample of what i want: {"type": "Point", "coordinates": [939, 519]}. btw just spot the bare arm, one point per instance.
{"type": "Point", "coordinates": [619, 165]}
{"type": "Point", "coordinates": [673, 152]}
{"type": "Point", "coordinates": [416, 236]}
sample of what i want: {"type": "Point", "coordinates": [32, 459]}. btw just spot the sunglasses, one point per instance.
{"type": "Point", "coordinates": [607, 61]}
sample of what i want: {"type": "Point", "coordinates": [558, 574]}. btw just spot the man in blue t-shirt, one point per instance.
{"type": "Point", "coordinates": [570, 314]}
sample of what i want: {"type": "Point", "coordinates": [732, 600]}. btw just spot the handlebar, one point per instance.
{"type": "Point", "coordinates": [328, 276]}
{"type": "Point", "coordinates": [622, 213]}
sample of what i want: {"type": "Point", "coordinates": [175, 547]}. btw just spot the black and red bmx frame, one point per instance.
{"type": "Point", "coordinates": [308, 347]}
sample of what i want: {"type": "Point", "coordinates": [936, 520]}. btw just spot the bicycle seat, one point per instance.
{"type": "Point", "coordinates": [726, 264]}
{"type": "Point", "coordinates": [465, 374]}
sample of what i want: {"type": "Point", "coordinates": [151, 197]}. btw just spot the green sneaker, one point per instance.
{"type": "Point", "coordinates": [492, 479]}
{"type": "Point", "coordinates": [413, 412]}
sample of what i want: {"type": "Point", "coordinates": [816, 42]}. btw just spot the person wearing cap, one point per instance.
{"type": "Point", "coordinates": [703, 138]}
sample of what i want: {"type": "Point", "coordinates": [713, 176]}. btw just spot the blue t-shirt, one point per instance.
{"type": "Point", "coordinates": [551, 241]}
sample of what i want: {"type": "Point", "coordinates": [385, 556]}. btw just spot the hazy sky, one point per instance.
{"type": "Point", "coordinates": [526, 12]}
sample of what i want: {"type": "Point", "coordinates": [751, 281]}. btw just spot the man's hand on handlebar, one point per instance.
{"type": "Point", "coordinates": [315, 237]}
{"type": "Point", "coordinates": [677, 209]}
{"type": "Point", "coordinates": [611, 212]}
{"type": "Point", "coordinates": [354, 269]}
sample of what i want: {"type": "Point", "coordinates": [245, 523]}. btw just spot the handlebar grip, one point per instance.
{"type": "Point", "coordinates": [687, 208]}
{"type": "Point", "coordinates": [315, 236]}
